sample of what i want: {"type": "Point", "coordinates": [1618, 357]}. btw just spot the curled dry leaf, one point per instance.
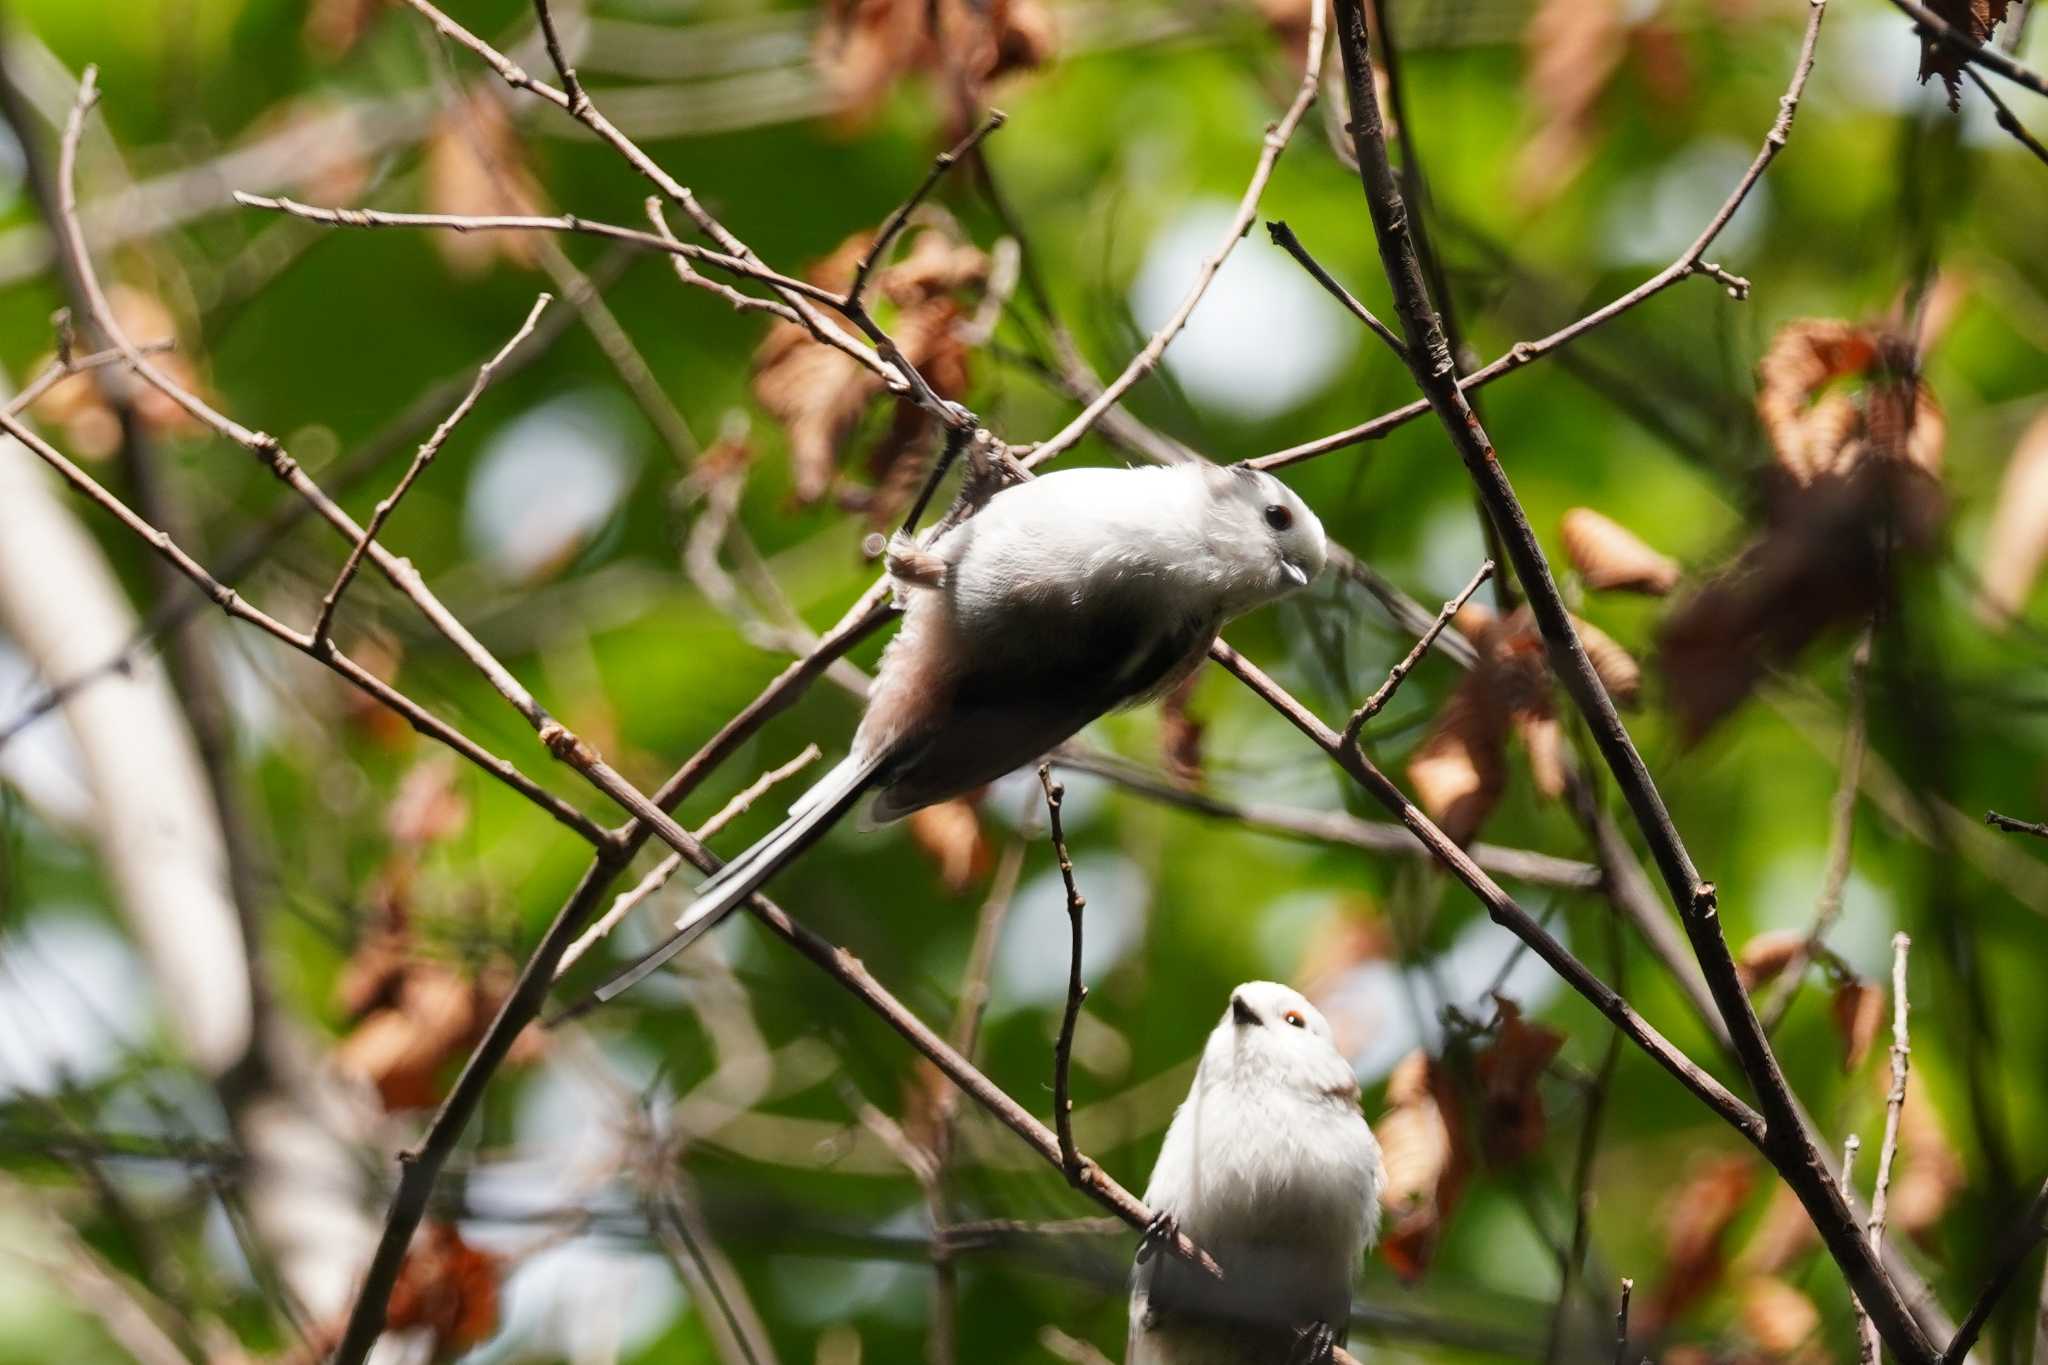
{"type": "Point", "coordinates": [865, 46]}
{"type": "Point", "coordinates": [1767, 954]}
{"type": "Point", "coordinates": [1695, 1226]}
{"type": "Point", "coordinates": [1783, 1235]}
{"type": "Point", "coordinates": [447, 1287]}
{"type": "Point", "coordinates": [334, 27]}
{"type": "Point", "coordinates": [1779, 1318]}
{"type": "Point", "coordinates": [1572, 50]}
{"type": "Point", "coordinates": [1426, 1163]}
{"type": "Point", "coordinates": [1180, 735]}
{"type": "Point", "coordinates": [2017, 542]}
{"type": "Point", "coordinates": [1612, 558]}
{"type": "Point", "coordinates": [429, 805]}
{"type": "Point", "coordinates": [1460, 769]}
{"type": "Point", "coordinates": [475, 164]}
{"type": "Point", "coordinates": [949, 834]}
{"type": "Point", "coordinates": [1857, 1008]}
{"type": "Point", "coordinates": [1512, 1121]}
{"type": "Point", "coordinates": [820, 394]}
{"type": "Point", "coordinates": [1974, 19]}
{"type": "Point", "coordinates": [1854, 490]}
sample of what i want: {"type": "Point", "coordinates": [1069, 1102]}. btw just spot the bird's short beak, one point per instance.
{"type": "Point", "coordinates": [1241, 1012]}
{"type": "Point", "coordinates": [1295, 573]}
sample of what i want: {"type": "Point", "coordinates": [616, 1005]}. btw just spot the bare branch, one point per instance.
{"type": "Point", "coordinates": [2012, 826]}
{"type": "Point", "coordinates": [1384, 693]}
{"type": "Point", "coordinates": [425, 456]}
{"type": "Point", "coordinates": [1283, 237]}
{"type": "Point", "coordinates": [2006, 118]}
{"type": "Point", "coordinates": [1894, 1104]}
{"type": "Point", "coordinates": [1063, 1050]}
{"type": "Point", "coordinates": [893, 224]}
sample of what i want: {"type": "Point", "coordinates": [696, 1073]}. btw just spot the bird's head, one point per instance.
{"type": "Point", "coordinates": [1272, 542]}
{"type": "Point", "coordinates": [1270, 1034]}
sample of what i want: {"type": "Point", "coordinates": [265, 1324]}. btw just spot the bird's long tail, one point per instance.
{"type": "Point", "coordinates": [814, 813]}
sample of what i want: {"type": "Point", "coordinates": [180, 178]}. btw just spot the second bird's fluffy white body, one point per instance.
{"type": "Point", "coordinates": [1270, 1167]}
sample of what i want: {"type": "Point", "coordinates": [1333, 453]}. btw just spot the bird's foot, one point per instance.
{"type": "Point", "coordinates": [912, 565]}
{"type": "Point", "coordinates": [1159, 1235]}
{"type": "Point", "coordinates": [1314, 1344]}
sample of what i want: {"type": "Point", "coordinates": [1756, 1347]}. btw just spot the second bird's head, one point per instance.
{"type": "Point", "coordinates": [1271, 1034]}
{"type": "Point", "coordinates": [1274, 543]}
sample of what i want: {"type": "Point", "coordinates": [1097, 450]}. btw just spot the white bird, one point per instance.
{"type": "Point", "coordinates": [1065, 597]}
{"type": "Point", "coordinates": [1272, 1169]}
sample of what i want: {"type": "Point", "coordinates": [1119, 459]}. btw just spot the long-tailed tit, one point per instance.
{"type": "Point", "coordinates": [1064, 598]}
{"type": "Point", "coordinates": [1270, 1167]}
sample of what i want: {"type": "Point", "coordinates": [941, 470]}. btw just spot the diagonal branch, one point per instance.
{"type": "Point", "coordinates": [1783, 1141]}
{"type": "Point", "coordinates": [1933, 26]}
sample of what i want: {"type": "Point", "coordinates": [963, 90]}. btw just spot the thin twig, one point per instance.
{"type": "Point", "coordinates": [1063, 1050]}
{"type": "Point", "coordinates": [1142, 364]}
{"type": "Point", "coordinates": [1851, 1145]}
{"type": "Point", "coordinates": [1384, 693]}
{"type": "Point", "coordinates": [1894, 1104]}
{"type": "Point", "coordinates": [893, 224]}
{"type": "Point", "coordinates": [420, 460]}
{"type": "Point", "coordinates": [1283, 237]}
{"type": "Point", "coordinates": [579, 103]}
{"type": "Point", "coordinates": [1628, 1288]}
{"type": "Point", "coordinates": [2012, 826]}
{"type": "Point", "coordinates": [2006, 118]}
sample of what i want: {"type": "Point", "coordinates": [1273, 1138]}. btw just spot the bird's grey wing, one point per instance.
{"type": "Point", "coordinates": [1030, 694]}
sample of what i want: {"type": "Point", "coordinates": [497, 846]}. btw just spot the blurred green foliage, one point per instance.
{"type": "Point", "coordinates": [322, 336]}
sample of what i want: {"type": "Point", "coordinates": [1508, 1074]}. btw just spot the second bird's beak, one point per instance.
{"type": "Point", "coordinates": [1241, 1012]}
{"type": "Point", "coordinates": [1296, 575]}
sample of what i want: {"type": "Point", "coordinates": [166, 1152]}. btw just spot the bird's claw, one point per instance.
{"type": "Point", "coordinates": [1161, 1233]}
{"type": "Point", "coordinates": [1314, 1344]}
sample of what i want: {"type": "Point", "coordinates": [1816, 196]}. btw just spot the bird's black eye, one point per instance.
{"type": "Point", "coordinates": [1294, 1017]}
{"type": "Point", "coordinates": [1278, 517]}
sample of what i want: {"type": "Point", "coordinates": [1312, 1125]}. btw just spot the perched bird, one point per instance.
{"type": "Point", "coordinates": [1063, 598]}
{"type": "Point", "coordinates": [1270, 1167]}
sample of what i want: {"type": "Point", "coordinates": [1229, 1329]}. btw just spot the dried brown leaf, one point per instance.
{"type": "Point", "coordinates": [1426, 1164]}
{"type": "Point", "coordinates": [2017, 543]}
{"type": "Point", "coordinates": [1779, 1318]}
{"type": "Point", "coordinates": [1856, 490]}
{"type": "Point", "coordinates": [1857, 1008]}
{"type": "Point", "coordinates": [1974, 19]}
{"type": "Point", "coordinates": [447, 1287]}
{"type": "Point", "coordinates": [1572, 49]}
{"type": "Point", "coordinates": [865, 47]}
{"type": "Point", "coordinates": [476, 164]}
{"type": "Point", "coordinates": [1459, 771]}
{"type": "Point", "coordinates": [1767, 954]}
{"type": "Point", "coordinates": [429, 805]}
{"type": "Point", "coordinates": [1612, 558]}
{"type": "Point", "coordinates": [334, 27]}
{"type": "Point", "coordinates": [1512, 1122]}
{"type": "Point", "coordinates": [1783, 1235]}
{"type": "Point", "coordinates": [1180, 735]}
{"type": "Point", "coordinates": [1696, 1222]}
{"type": "Point", "coordinates": [949, 834]}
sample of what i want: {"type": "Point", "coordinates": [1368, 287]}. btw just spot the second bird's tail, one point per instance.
{"type": "Point", "coordinates": [814, 813]}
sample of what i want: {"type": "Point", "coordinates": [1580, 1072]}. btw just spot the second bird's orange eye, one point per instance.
{"type": "Point", "coordinates": [1294, 1017]}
